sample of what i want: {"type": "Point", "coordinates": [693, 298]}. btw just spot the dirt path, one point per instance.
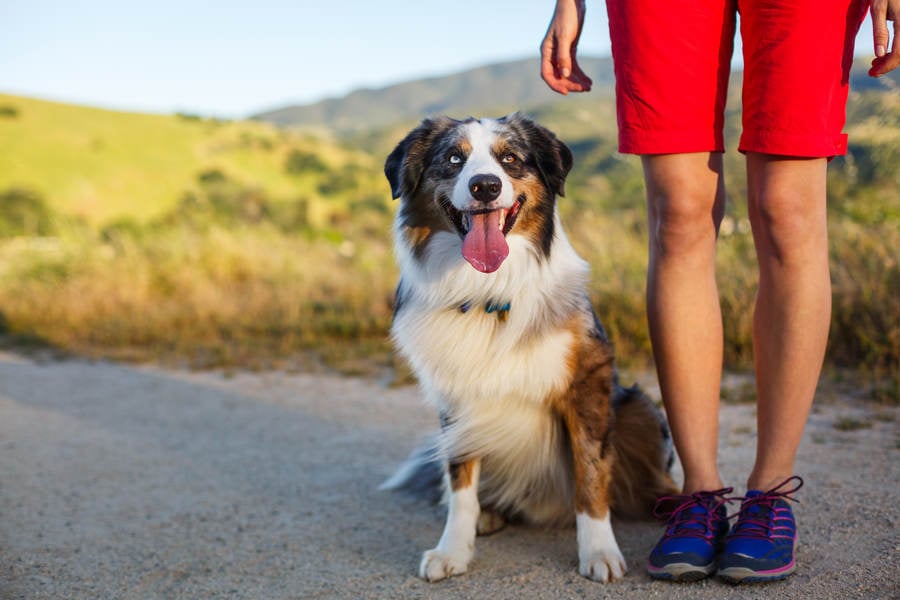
{"type": "Point", "coordinates": [121, 482]}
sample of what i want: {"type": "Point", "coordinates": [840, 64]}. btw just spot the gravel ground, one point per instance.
{"type": "Point", "coordinates": [123, 482]}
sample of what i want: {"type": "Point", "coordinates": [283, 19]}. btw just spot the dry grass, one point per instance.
{"type": "Point", "coordinates": [256, 296]}
{"type": "Point", "coordinates": [212, 297]}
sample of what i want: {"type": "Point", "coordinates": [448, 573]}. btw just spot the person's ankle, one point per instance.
{"type": "Point", "coordinates": [766, 481]}
{"type": "Point", "coordinates": [702, 485]}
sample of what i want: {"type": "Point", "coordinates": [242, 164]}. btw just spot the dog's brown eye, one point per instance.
{"type": "Point", "coordinates": [509, 159]}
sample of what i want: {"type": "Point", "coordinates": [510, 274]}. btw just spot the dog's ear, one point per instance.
{"type": "Point", "coordinates": [405, 165]}
{"type": "Point", "coordinates": [552, 156]}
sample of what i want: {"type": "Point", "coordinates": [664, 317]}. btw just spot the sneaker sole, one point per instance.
{"type": "Point", "coordinates": [682, 572]}
{"type": "Point", "coordinates": [744, 575]}
{"type": "Point", "coordinates": [738, 575]}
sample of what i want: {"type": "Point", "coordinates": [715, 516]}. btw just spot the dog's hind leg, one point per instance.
{"type": "Point", "coordinates": [457, 544]}
{"type": "Point", "coordinates": [490, 522]}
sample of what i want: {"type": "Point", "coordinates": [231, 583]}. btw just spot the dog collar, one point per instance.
{"type": "Point", "coordinates": [492, 306]}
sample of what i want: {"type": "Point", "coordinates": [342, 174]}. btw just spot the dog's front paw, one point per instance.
{"type": "Point", "coordinates": [603, 565]}
{"type": "Point", "coordinates": [438, 564]}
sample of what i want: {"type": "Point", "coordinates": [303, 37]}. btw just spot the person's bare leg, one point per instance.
{"type": "Point", "coordinates": [793, 305]}
{"type": "Point", "coordinates": [685, 200]}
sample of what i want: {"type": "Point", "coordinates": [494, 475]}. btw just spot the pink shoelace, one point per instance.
{"type": "Point", "coordinates": [759, 515]}
{"type": "Point", "coordinates": [682, 521]}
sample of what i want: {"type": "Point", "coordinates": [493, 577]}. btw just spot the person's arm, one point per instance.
{"type": "Point", "coordinates": [882, 12]}
{"type": "Point", "coordinates": [559, 66]}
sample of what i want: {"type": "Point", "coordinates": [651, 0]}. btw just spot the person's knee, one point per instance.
{"type": "Point", "coordinates": [683, 224]}
{"type": "Point", "coordinates": [786, 205]}
{"type": "Point", "coordinates": [787, 227]}
{"type": "Point", "coordinates": [686, 202]}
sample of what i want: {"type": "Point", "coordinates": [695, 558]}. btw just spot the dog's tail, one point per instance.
{"type": "Point", "coordinates": [422, 475]}
{"type": "Point", "coordinates": [642, 454]}
{"type": "Point", "coordinates": [640, 443]}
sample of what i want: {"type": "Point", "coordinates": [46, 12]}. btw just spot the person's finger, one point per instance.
{"type": "Point", "coordinates": [581, 78]}
{"type": "Point", "coordinates": [548, 59]}
{"type": "Point", "coordinates": [564, 61]}
{"type": "Point", "coordinates": [548, 69]}
{"type": "Point", "coordinates": [880, 35]}
{"type": "Point", "coordinates": [578, 76]}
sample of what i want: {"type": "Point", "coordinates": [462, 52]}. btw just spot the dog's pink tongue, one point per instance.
{"type": "Point", "coordinates": [485, 246]}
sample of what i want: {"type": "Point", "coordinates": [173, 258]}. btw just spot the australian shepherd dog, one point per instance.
{"type": "Point", "coordinates": [493, 315]}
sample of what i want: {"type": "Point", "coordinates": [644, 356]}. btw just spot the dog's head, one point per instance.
{"type": "Point", "coordinates": [482, 179]}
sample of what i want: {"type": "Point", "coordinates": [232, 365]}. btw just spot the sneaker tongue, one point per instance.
{"type": "Point", "coordinates": [754, 509]}
{"type": "Point", "coordinates": [485, 246]}
{"type": "Point", "coordinates": [689, 522]}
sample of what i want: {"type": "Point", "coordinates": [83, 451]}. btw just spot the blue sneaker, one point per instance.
{"type": "Point", "coordinates": [695, 532]}
{"type": "Point", "coordinates": [760, 546]}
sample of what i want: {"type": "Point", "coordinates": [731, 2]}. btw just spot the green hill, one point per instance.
{"type": "Point", "coordinates": [103, 165]}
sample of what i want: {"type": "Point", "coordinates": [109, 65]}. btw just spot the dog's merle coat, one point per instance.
{"type": "Point", "coordinates": [493, 315]}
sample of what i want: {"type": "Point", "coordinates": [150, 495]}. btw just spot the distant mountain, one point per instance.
{"type": "Point", "coordinates": [489, 90]}
{"type": "Point", "coordinates": [492, 89]}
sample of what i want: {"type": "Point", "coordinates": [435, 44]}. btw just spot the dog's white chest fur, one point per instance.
{"type": "Point", "coordinates": [465, 354]}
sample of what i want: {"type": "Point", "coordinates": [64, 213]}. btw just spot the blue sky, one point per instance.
{"type": "Point", "coordinates": [232, 59]}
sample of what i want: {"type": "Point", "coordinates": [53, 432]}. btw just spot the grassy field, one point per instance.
{"type": "Point", "coordinates": [103, 165]}
{"type": "Point", "coordinates": [205, 243]}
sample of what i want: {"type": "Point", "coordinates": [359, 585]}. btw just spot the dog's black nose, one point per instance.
{"type": "Point", "coordinates": [485, 188]}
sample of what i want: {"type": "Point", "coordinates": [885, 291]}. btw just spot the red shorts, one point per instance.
{"type": "Point", "coordinates": [672, 61]}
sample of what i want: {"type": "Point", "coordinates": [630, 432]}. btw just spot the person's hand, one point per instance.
{"type": "Point", "coordinates": [559, 67]}
{"type": "Point", "coordinates": [882, 12]}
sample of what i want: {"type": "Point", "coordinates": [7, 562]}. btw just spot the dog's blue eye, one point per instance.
{"type": "Point", "coordinates": [455, 159]}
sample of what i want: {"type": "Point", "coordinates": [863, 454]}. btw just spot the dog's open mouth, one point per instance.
{"type": "Point", "coordinates": [484, 234]}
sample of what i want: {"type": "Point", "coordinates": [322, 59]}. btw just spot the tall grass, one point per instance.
{"type": "Point", "coordinates": [246, 296]}
{"type": "Point", "coordinates": [202, 289]}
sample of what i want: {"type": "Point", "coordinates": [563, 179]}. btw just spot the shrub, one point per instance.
{"type": "Point", "coordinates": [208, 176]}
{"type": "Point", "coordinates": [24, 212]}
{"type": "Point", "coordinates": [222, 202]}
{"type": "Point", "coordinates": [292, 216]}
{"type": "Point", "coordinates": [123, 229]}
{"type": "Point", "coordinates": [299, 161]}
